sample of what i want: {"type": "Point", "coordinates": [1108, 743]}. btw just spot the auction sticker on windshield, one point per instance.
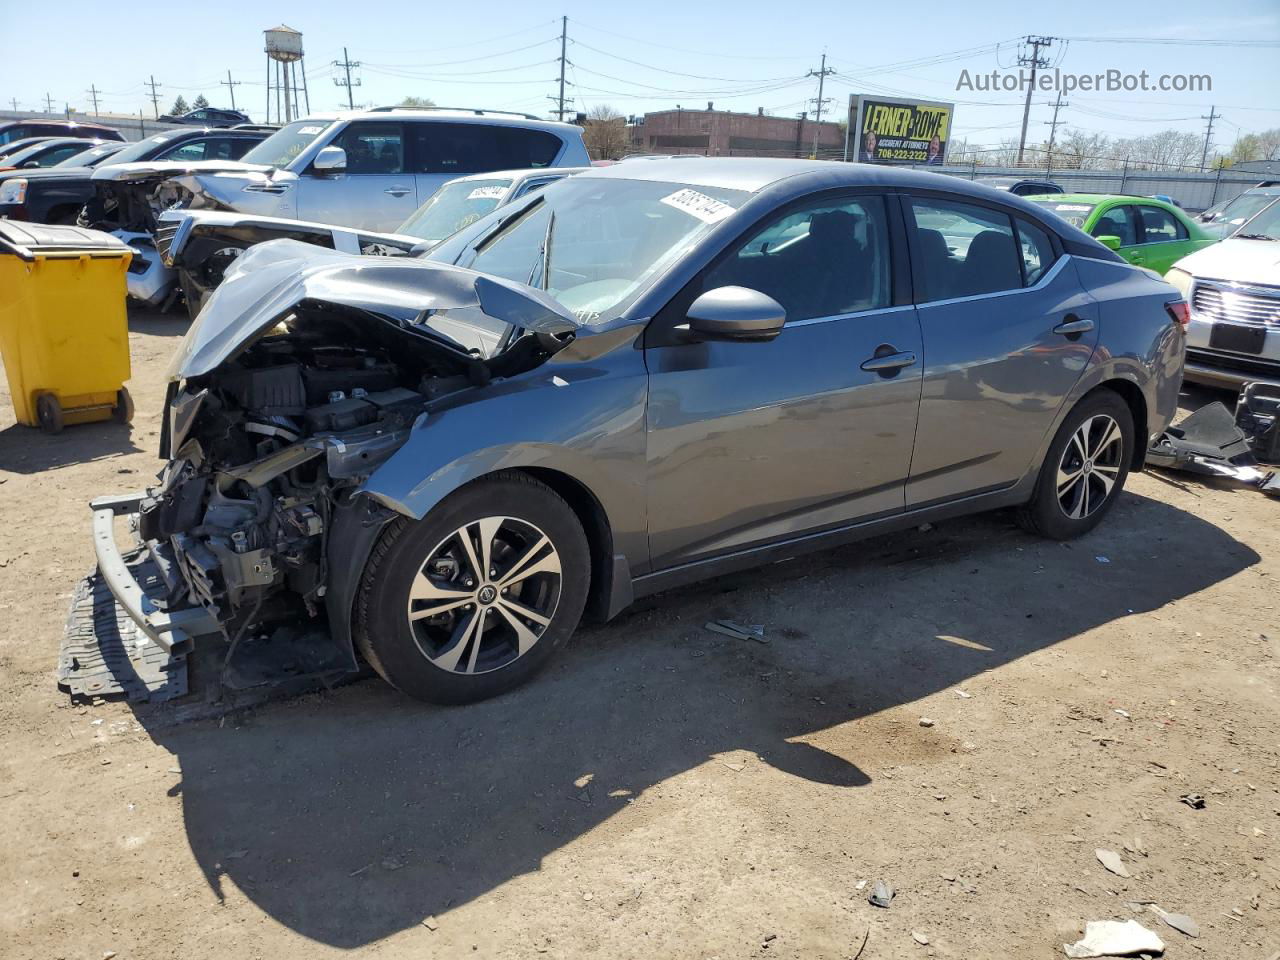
{"type": "Point", "coordinates": [311, 131]}
{"type": "Point", "coordinates": [707, 209]}
{"type": "Point", "coordinates": [486, 193]}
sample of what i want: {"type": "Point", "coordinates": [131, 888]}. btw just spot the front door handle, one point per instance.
{"type": "Point", "coordinates": [396, 191]}
{"type": "Point", "coordinates": [889, 361]}
{"type": "Point", "coordinates": [1073, 326]}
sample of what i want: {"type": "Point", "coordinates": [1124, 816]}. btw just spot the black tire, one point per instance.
{"type": "Point", "coordinates": [398, 649]}
{"type": "Point", "coordinates": [1046, 513]}
{"type": "Point", "coordinates": [49, 413]}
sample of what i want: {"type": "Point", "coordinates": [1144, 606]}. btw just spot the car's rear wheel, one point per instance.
{"type": "Point", "coordinates": [1084, 470]}
{"type": "Point", "coordinates": [477, 596]}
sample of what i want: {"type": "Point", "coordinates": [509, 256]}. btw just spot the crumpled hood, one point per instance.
{"type": "Point", "coordinates": [270, 278]}
{"type": "Point", "coordinates": [1238, 261]}
{"type": "Point", "coordinates": [148, 170]}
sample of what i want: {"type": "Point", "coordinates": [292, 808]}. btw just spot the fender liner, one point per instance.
{"type": "Point", "coordinates": [357, 524]}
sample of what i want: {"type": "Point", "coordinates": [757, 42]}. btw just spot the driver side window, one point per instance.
{"type": "Point", "coordinates": [824, 259]}
{"type": "Point", "coordinates": [1117, 222]}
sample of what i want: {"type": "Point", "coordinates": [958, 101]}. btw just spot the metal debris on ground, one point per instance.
{"type": "Point", "coordinates": [1114, 938]}
{"type": "Point", "coordinates": [1192, 800]}
{"type": "Point", "coordinates": [1111, 860]}
{"type": "Point", "coordinates": [1179, 921]}
{"type": "Point", "coordinates": [1209, 442]}
{"type": "Point", "coordinates": [881, 895]}
{"type": "Point", "coordinates": [739, 631]}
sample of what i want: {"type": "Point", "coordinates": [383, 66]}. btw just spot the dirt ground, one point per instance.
{"type": "Point", "coordinates": [663, 791]}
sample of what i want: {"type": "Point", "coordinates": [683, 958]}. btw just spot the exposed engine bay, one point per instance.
{"type": "Point", "coordinates": [264, 449]}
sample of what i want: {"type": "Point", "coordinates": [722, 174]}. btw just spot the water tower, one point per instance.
{"type": "Point", "coordinates": [283, 46]}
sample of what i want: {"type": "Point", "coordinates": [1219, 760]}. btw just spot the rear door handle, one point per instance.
{"type": "Point", "coordinates": [1073, 326]}
{"type": "Point", "coordinates": [886, 364]}
{"type": "Point", "coordinates": [396, 191]}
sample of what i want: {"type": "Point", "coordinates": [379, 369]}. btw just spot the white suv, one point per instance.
{"type": "Point", "coordinates": [371, 169]}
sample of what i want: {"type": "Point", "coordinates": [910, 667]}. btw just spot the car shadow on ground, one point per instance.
{"type": "Point", "coordinates": [354, 814]}
{"type": "Point", "coordinates": [153, 322]}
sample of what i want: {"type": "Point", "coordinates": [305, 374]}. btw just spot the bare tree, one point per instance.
{"type": "Point", "coordinates": [605, 133]}
{"type": "Point", "coordinates": [1160, 151]}
{"type": "Point", "coordinates": [1264, 145]}
{"type": "Point", "coordinates": [417, 103]}
{"type": "Point", "coordinates": [1081, 150]}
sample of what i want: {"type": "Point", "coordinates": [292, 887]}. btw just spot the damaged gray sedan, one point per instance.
{"type": "Point", "coordinates": [640, 377]}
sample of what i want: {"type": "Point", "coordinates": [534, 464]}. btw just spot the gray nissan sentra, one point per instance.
{"type": "Point", "coordinates": [639, 377]}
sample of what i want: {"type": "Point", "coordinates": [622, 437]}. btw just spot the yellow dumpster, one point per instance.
{"type": "Point", "coordinates": [64, 333]}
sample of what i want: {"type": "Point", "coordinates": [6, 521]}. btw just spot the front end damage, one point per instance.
{"type": "Point", "coordinates": [304, 373]}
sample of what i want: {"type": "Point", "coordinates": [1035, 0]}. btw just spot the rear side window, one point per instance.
{"type": "Point", "coordinates": [824, 259]}
{"type": "Point", "coordinates": [59, 154]}
{"type": "Point", "coordinates": [189, 152]}
{"type": "Point", "coordinates": [1161, 226]}
{"type": "Point", "coordinates": [965, 250]}
{"type": "Point", "coordinates": [462, 148]}
{"type": "Point", "coordinates": [1037, 251]}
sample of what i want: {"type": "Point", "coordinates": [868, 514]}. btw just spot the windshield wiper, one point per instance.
{"type": "Point", "coordinates": [1254, 236]}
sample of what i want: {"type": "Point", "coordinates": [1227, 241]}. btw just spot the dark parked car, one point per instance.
{"type": "Point", "coordinates": [641, 376]}
{"type": "Point", "coordinates": [46, 152]}
{"type": "Point", "coordinates": [208, 117]}
{"type": "Point", "coordinates": [58, 194]}
{"type": "Point", "coordinates": [11, 130]}
{"type": "Point", "coordinates": [1020, 187]}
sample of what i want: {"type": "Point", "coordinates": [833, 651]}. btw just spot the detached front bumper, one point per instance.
{"type": "Point", "coordinates": [170, 630]}
{"type": "Point", "coordinates": [149, 280]}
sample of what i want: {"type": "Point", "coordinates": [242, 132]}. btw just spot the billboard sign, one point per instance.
{"type": "Point", "coordinates": [892, 130]}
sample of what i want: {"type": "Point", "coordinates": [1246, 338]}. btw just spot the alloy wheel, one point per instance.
{"type": "Point", "coordinates": [485, 595]}
{"type": "Point", "coordinates": [1090, 466]}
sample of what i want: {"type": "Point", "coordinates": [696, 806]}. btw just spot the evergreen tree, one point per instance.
{"type": "Point", "coordinates": [179, 107]}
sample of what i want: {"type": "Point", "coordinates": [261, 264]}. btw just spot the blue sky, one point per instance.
{"type": "Point", "coordinates": [655, 55]}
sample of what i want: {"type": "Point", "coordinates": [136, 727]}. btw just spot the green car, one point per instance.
{"type": "Point", "coordinates": [1145, 231]}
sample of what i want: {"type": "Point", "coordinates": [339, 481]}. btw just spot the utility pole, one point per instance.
{"type": "Point", "coordinates": [155, 97]}
{"type": "Point", "coordinates": [14, 101]}
{"type": "Point", "coordinates": [48, 103]}
{"type": "Point", "coordinates": [1208, 133]}
{"type": "Point", "coordinates": [821, 73]}
{"type": "Point", "coordinates": [1053, 130]}
{"type": "Point", "coordinates": [93, 92]}
{"type": "Point", "coordinates": [347, 63]}
{"type": "Point", "coordinates": [230, 85]}
{"type": "Point", "coordinates": [564, 34]}
{"type": "Point", "coordinates": [1035, 61]}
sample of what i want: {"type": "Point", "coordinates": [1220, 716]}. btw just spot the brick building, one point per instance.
{"type": "Point", "coordinates": [722, 133]}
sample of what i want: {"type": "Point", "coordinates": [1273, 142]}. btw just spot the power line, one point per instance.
{"type": "Point", "coordinates": [155, 97]}
{"type": "Point", "coordinates": [1208, 133]}
{"type": "Point", "coordinates": [347, 63]}
{"type": "Point", "coordinates": [1035, 61]}
{"type": "Point", "coordinates": [1176, 42]}
{"type": "Point", "coordinates": [93, 92]}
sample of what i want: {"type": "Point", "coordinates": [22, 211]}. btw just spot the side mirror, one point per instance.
{"type": "Point", "coordinates": [330, 160]}
{"type": "Point", "coordinates": [1110, 242]}
{"type": "Point", "coordinates": [735, 313]}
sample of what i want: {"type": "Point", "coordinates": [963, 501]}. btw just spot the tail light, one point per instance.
{"type": "Point", "coordinates": [1179, 313]}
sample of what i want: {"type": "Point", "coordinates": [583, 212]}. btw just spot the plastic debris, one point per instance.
{"type": "Point", "coordinates": [919, 938]}
{"type": "Point", "coordinates": [1111, 860]}
{"type": "Point", "coordinates": [881, 895]}
{"type": "Point", "coordinates": [1209, 442]}
{"type": "Point", "coordinates": [964, 695]}
{"type": "Point", "coordinates": [1192, 800]}
{"type": "Point", "coordinates": [1114, 938]}
{"type": "Point", "coordinates": [1179, 921]}
{"type": "Point", "coordinates": [431, 923]}
{"type": "Point", "coordinates": [739, 631]}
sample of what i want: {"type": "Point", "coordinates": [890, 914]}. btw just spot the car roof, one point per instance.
{"type": "Point", "coordinates": [755, 174]}
{"type": "Point", "coordinates": [1096, 198]}
{"type": "Point", "coordinates": [492, 119]}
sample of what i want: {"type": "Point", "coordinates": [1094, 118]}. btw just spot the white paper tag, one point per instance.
{"type": "Point", "coordinates": [707, 209]}
{"type": "Point", "coordinates": [487, 193]}
{"type": "Point", "coordinates": [1076, 207]}
{"type": "Point", "coordinates": [310, 131]}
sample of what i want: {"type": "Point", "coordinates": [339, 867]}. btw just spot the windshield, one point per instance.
{"type": "Point", "coordinates": [280, 149]}
{"type": "Point", "coordinates": [90, 158]}
{"type": "Point", "coordinates": [454, 206]}
{"type": "Point", "coordinates": [1073, 212]}
{"type": "Point", "coordinates": [593, 243]}
{"type": "Point", "coordinates": [1243, 207]}
{"type": "Point", "coordinates": [1264, 226]}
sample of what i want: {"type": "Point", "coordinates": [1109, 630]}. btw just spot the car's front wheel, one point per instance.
{"type": "Point", "coordinates": [1084, 470]}
{"type": "Point", "coordinates": [477, 596]}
